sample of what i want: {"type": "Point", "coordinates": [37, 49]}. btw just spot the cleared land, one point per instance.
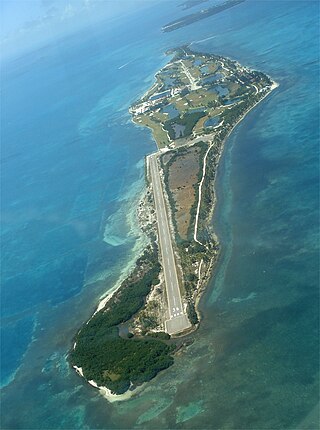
{"type": "Point", "coordinates": [194, 104]}
{"type": "Point", "coordinates": [196, 100]}
{"type": "Point", "coordinates": [197, 94]}
{"type": "Point", "coordinates": [183, 178]}
{"type": "Point", "coordinates": [177, 320]}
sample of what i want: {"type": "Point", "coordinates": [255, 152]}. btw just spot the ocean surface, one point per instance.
{"type": "Point", "coordinates": [72, 173]}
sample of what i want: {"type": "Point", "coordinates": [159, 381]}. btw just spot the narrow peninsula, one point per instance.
{"type": "Point", "coordinates": [195, 102]}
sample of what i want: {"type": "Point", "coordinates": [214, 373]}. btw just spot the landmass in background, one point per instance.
{"type": "Point", "coordinates": [197, 16]}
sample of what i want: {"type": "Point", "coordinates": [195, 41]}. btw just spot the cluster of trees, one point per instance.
{"type": "Point", "coordinates": [208, 193]}
{"type": "Point", "coordinates": [232, 115]}
{"type": "Point", "coordinates": [193, 210]}
{"type": "Point", "coordinates": [160, 335]}
{"type": "Point", "coordinates": [213, 103]}
{"type": "Point", "coordinates": [190, 283]}
{"type": "Point", "coordinates": [117, 363]}
{"type": "Point", "coordinates": [113, 361]}
{"type": "Point", "coordinates": [192, 314]}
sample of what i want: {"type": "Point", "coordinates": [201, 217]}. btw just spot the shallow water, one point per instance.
{"type": "Point", "coordinates": [70, 181]}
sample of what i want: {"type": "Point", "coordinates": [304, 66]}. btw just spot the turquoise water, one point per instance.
{"type": "Point", "coordinates": [72, 171]}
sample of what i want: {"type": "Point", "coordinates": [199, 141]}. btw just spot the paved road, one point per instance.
{"type": "Point", "coordinates": [193, 82]}
{"type": "Point", "coordinates": [178, 320]}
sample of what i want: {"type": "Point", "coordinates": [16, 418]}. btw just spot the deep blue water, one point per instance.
{"type": "Point", "coordinates": [72, 169]}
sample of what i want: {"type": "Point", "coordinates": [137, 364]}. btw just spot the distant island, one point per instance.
{"type": "Point", "coordinates": [196, 101]}
{"type": "Point", "coordinates": [191, 3]}
{"type": "Point", "coordinates": [197, 16]}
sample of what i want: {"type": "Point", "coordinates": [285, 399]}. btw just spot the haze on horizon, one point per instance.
{"type": "Point", "coordinates": [29, 24]}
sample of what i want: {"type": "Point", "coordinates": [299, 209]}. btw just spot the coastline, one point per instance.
{"type": "Point", "coordinates": [144, 239]}
{"type": "Point", "coordinates": [202, 283]}
{"type": "Point", "coordinates": [104, 391]}
{"type": "Point", "coordinates": [140, 244]}
{"type": "Point", "coordinates": [202, 280]}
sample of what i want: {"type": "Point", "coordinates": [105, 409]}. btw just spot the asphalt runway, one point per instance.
{"type": "Point", "coordinates": [178, 320]}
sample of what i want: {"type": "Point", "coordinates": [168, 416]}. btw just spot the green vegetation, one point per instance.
{"type": "Point", "coordinates": [188, 120]}
{"type": "Point", "coordinates": [191, 252]}
{"type": "Point", "coordinates": [155, 126]}
{"type": "Point", "coordinates": [120, 362]}
{"type": "Point", "coordinates": [193, 209]}
{"type": "Point", "coordinates": [244, 90]}
{"type": "Point", "coordinates": [195, 105]}
{"type": "Point", "coordinates": [110, 360]}
{"type": "Point", "coordinates": [166, 168]}
{"type": "Point", "coordinates": [160, 335]}
{"type": "Point", "coordinates": [192, 314]}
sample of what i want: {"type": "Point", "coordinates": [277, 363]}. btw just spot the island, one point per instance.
{"type": "Point", "coordinates": [197, 16]}
{"type": "Point", "coordinates": [195, 102]}
{"type": "Point", "coordinates": [191, 3]}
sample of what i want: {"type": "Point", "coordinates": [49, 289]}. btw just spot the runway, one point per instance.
{"type": "Point", "coordinates": [178, 320]}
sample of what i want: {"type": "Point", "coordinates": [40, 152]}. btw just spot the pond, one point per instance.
{"type": "Point", "coordinates": [232, 101]}
{"type": "Point", "coordinates": [213, 78]}
{"type": "Point", "coordinates": [221, 91]}
{"type": "Point", "coordinates": [204, 69]}
{"type": "Point", "coordinates": [179, 130]}
{"type": "Point", "coordinates": [198, 109]}
{"type": "Point", "coordinates": [171, 110]}
{"type": "Point", "coordinates": [212, 122]}
{"type": "Point", "coordinates": [160, 95]}
{"type": "Point", "coordinates": [169, 81]}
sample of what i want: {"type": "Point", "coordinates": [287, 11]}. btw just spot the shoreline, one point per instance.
{"type": "Point", "coordinates": [106, 393]}
{"type": "Point", "coordinates": [140, 244]}
{"type": "Point", "coordinates": [201, 286]}
{"type": "Point", "coordinates": [143, 238]}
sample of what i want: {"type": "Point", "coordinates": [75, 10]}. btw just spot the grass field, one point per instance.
{"type": "Point", "coordinates": [159, 135]}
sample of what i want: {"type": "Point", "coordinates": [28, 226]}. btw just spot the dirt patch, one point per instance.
{"type": "Point", "coordinates": [183, 180]}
